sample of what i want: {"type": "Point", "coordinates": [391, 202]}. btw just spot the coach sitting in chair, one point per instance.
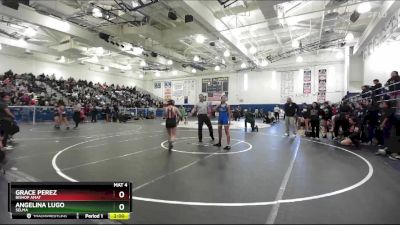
{"type": "Point", "coordinates": [249, 118]}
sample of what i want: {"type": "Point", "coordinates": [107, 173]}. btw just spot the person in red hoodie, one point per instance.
{"type": "Point", "coordinates": [32, 101]}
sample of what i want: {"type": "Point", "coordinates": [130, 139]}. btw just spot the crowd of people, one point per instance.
{"type": "Point", "coordinates": [97, 94]}
{"type": "Point", "coordinates": [28, 90]}
{"type": "Point", "coordinates": [88, 100]}
{"type": "Point", "coordinates": [365, 119]}
{"type": "Point", "coordinates": [370, 118]}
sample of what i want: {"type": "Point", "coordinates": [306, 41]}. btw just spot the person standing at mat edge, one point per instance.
{"type": "Point", "coordinates": [276, 112]}
{"type": "Point", "coordinates": [77, 114]}
{"type": "Point", "coordinates": [224, 119]}
{"type": "Point", "coordinates": [170, 114]}
{"type": "Point", "coordinates": [203, 117]}
{"type": "Point", "coordinates": [6, 120]}
{"type": "Point", "coordinates": [290, 109]}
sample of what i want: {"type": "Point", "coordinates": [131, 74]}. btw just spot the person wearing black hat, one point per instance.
{"type": "Point", "coordinates": [171, 113]}
{"type": "Point", "coordinates": [6, 120]}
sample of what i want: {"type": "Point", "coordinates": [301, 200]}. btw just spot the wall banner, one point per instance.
{"type": "Point", "coordinates": [307, 82]}
{"type": "Point", "coordinates": [321, 85]}
{"type": "Point", "coordinates": [167, 90]}
{"type": "Point", "coordinates": [157, 85]}
{"type": "Point", "coordinates": [287, 85]}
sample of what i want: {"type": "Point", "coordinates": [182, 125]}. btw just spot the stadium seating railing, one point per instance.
{"type": "Point", "coordinates": [38, 114]}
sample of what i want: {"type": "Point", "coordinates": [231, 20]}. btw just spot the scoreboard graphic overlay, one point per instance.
{"type": "Point", "coordinates": [59, 200]}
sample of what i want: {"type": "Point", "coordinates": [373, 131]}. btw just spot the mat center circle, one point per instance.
{"type": "Point", "coordinates": [236, 147]}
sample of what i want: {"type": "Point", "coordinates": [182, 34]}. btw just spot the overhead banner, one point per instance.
{"type": "Point", "coordinates": [307, 82]}
{"type": "Point", "coordinates": [177, 92]}
{"type": "Point", "coordinates": [215, 87]}
{"type": "Point", "coordinates": [287, 85]}
{"type": "Point", "coordinates": [182, 92]}
{"type": "Point", "coordinates": [321, 85]}
{"type": "Point", "coordinates": [189, 91]}
{"type": "Point", "coordinates": [167, 90]}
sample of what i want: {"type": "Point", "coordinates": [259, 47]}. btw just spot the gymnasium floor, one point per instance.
{"type": "Point", "coordinates": [265, 178]}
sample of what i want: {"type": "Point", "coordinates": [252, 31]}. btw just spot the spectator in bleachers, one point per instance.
{"type": "Point", "coordinates": [376, 89]}
{"type": "Point", "coordinates": [391, 83]}
{"type": "Point", "coordinates": [365, 92]}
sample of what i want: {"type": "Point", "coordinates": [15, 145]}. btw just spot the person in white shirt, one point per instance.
{"type": "Point", "coordinates": [77, 114]}
{"type": "Point", "coordinates": [203, 112]}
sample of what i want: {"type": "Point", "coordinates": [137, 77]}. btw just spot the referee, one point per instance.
{"type": "Point", "coordinates": [202, 115]}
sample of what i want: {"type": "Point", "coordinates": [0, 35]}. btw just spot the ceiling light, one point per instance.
{"type": "Point", "coordinates": [170, 62]}
{"type": "Point", "coordinates": [217, 57]}
{"type": "Point", "coordinates": [158, 74]}
{"type": "Point", "coordinates": [99, 51]}
{"type": "Point", "coordinates": [295, 43]}
{"type": "Point", "coordinates": [200, 39]}
{"type": "Point", "coordinates": [127, 47]}
{"type": "Point", "coordinates": [196, 58]}
{"type": "Point", "coordinates": [1, 47]}
{"type": "Point", "coordinates": [174, 72]}
{"type": "Point", "coordinates": [61, 59]}
{"type": "Point", "coordinates": [96, 12]}
{"type": "Point", "coordinates": [227, 53]}
{"type": "Point", "coordinates": [143, 63]}
{"type": "Point", "coordinates": [364, 7]}
{"type": "Point", "coordinates": [16, 26]}
{"type": "Point", "coordinates": [349, 37]}
{"type": "Point", "coordinates": [339, 55]}
{"type": "Point", "coordinates": [106, 68]}
{"type": "Point", "coordinates": [264, 63]}
{"type": "Point", "coordinates": [241, 47]}
{"type": "Point", "coordinates": [141, 76]}
{"type": "Point", "coordinates": [299, 59]}
{"type": "Point", "coordinates": [137, 50]}
{"type": "Point", "coordinates": [253, 50]}
{"type": "Point", "coordinates": [217, 68]}
{"type": "Point", "coordinates": [30, 32]}
{"type": "Point", "coordinates": [135, 4]}
{"type": "Point", "coordinates": [243, 66]}
{"type": "Point", "coordinates": [194, 70]}
{"type": "Point", "coordinates": [95, 59]}
{"type": "Point", "coordinates": [128, 67]}
{"type": "Point", "coordinates": [223, 61]}
{"type": "Point", "coordinates": [22, 42]}
{"type": "Point", "coordinates": [64, 26]}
